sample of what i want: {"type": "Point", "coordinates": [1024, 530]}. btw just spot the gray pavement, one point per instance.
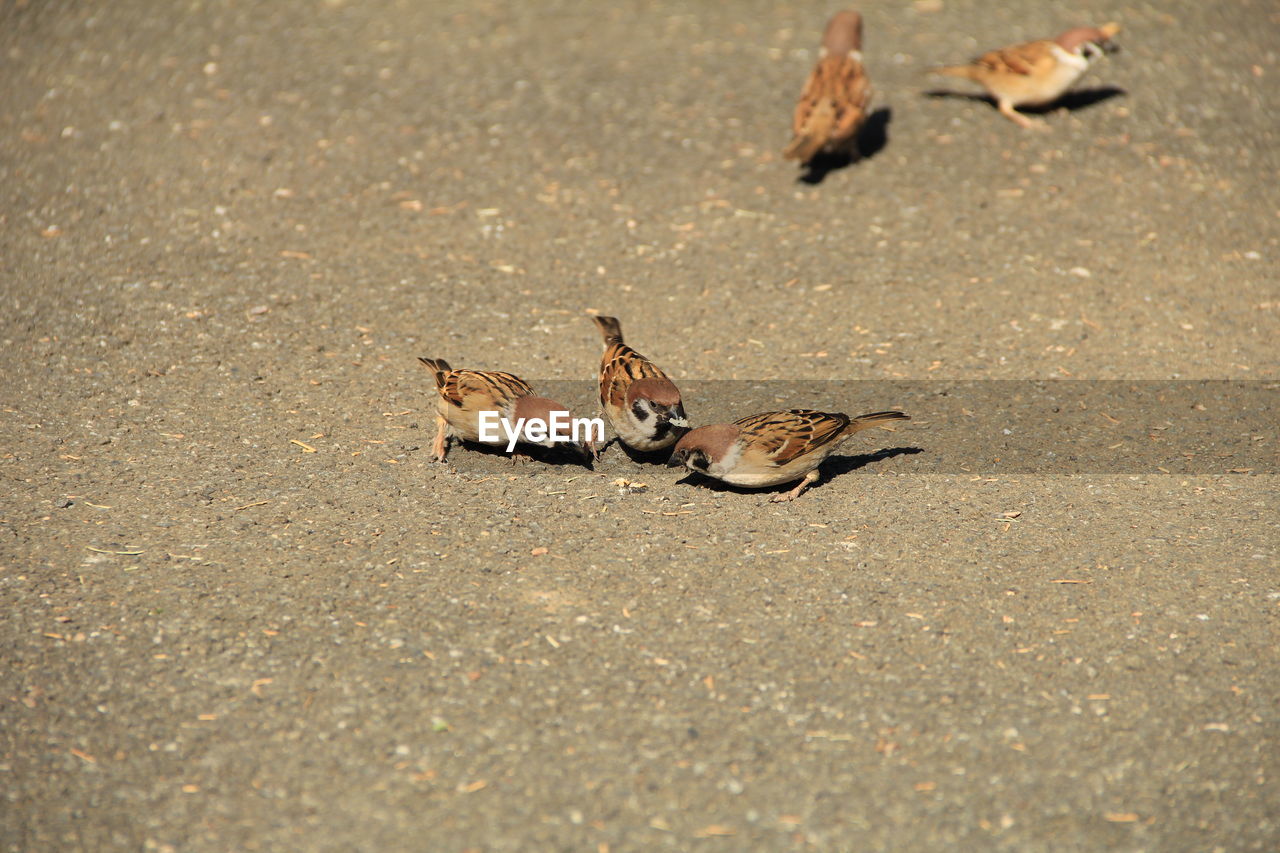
{"type": "Point", "coordinates": [243, 611]}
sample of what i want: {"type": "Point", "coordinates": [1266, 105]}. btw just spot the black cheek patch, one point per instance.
{"type": "Point", "coordinates": [639, 411]}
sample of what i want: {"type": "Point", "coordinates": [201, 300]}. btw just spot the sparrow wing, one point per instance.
{"type": "Point", "coordinates": [851, 108]}
{"type": "Point", "coordinates": [619, 367]}
{"type": "Point", "coordinates": [1020, 59]}
{"type": "Point", "coordinates": [783, 437]}
{"type": "Point", "coordinates": [473, 390]}
{"type": "Point", "coordinates": [831, 106]}
{"type": "Point", "coordinates": [816, 87]}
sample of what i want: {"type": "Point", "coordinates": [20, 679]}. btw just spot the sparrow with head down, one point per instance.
{"type": "Point", "coordinates": [1036, 73]}
{"type": "Point", "coordinates": [772, 448]}
{"type": "Point", "coordinates": [641, 404]}
{"type": "Point", "coordinates": [464, 394]}
{"type": "Point", "coordinates": [833, 104]}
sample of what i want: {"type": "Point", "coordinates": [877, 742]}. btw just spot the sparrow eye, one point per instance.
{"type": "Point", "coordinates": [638, 409]}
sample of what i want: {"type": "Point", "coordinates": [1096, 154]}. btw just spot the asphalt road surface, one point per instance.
{"type": "Point", "coordinates": [244, 611]}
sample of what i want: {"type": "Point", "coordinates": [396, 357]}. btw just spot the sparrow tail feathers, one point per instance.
{"type": "Point", "coordinates": [873, 420]}
{"type": "Point", "coordinates": [965, 71]}
{"type": "Point", "coordinates": [803, 147]}
{"type": "Point", "coordinates": [438, 368]}
{"type": "Point", "coordinates": [610, 330]}
{"type": "Point", "coordinates": [814, 133]}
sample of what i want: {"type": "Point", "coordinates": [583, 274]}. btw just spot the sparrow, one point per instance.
{"type": "Point", "coordinates": [464, 394]}
{"type": "Point", "coordinates": [833, 104]}
{"type": "Point", "coordinates": [1038, 72]}
{"type": "Point", "coordinates": [772, 448]}
{"type": "Point", "coordinates": [641, 404]}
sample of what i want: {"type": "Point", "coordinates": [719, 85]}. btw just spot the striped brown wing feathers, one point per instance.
{"type": "Point", "coordinates": [1024, 59]}
{"type": "Point", "coordinates": [785, 436]}
{"type": "Point", "coordinates": [831, 106]}
{"type": "Point", "coordinates": [619, 367]}
{"type": "Point", "coordinates": [490, 387]}
{"type": "Point", "coordinates": [622, 359]}
{"type": "Point", "coordinates": [850, 109]}
{"type": "Point", "coordinates": [815, 89]}
{"type": "Point", "coordinates": [839, 79]}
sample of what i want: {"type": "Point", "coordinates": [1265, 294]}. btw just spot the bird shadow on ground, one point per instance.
{"type": "Point", "coordinates": [560, 455]}
{"type": "Point", "coordinates": [844, 464]}
{"type": "Point", "coordinates": [832, 467]}
{"type": "Point", "coordinates": [1071, 101]}
{"type": "Point", "coordinates": [711, 484]}
{"type": "Point", "coordinates": [872, 137]}
{"type": "Point", "coordinates": [640, 457]}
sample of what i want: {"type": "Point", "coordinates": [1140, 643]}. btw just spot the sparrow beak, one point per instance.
{"type": "Point", "coordinates": [1110, 47]}
{"type": "Point", "coordinates": [675, 462]}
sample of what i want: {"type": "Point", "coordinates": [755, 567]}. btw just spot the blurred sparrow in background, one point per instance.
{"type": "Point", "coordinates": [1036, 73]}
{"type": "Point", "coordinates": [833, 105]}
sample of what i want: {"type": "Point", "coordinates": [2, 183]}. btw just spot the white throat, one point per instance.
{"type": "Point", "coordinates": [1066, 57]}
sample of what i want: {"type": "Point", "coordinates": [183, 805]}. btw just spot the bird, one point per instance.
{"type": "Point", "coordinates": [833, 103]}
{"type": "Point", "coordinates": [642, 405]}
{"type": "Point", "coordinates": [773, 447]}
{"type": "Point", "coordinates": [1036, 73]}
{"type": "Point", "coordinates": [465, 394]}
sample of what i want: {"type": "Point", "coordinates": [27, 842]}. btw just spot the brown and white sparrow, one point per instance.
{"type": "Point", "coordinates": [641, 404]}
{"type": "Point", "coordinates": [833, 104]}
{"type": "Point", "coordinates": [772, 448]}
{"type": "Point", "coordinates": [1036, 73]}
{"type": "Point", "coordinates": [465, 394]}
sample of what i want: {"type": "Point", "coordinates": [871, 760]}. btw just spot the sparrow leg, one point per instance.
{"type": "Point", "coordinates": [1006, 109]}
{"type": "Point", "coordinates": [597, 452]}
{"type": "Point", "coordinates": [809, 480]}
{"type": "Point", "coordinates": [441, 444]}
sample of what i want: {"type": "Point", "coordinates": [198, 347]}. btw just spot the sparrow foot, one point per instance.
{"type": "Point", "coordinates": [1023, 121]}
{"type": "Point", "coordinates": [809, 479]}
{"type": "Point", "coordinates": [440, 446]}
